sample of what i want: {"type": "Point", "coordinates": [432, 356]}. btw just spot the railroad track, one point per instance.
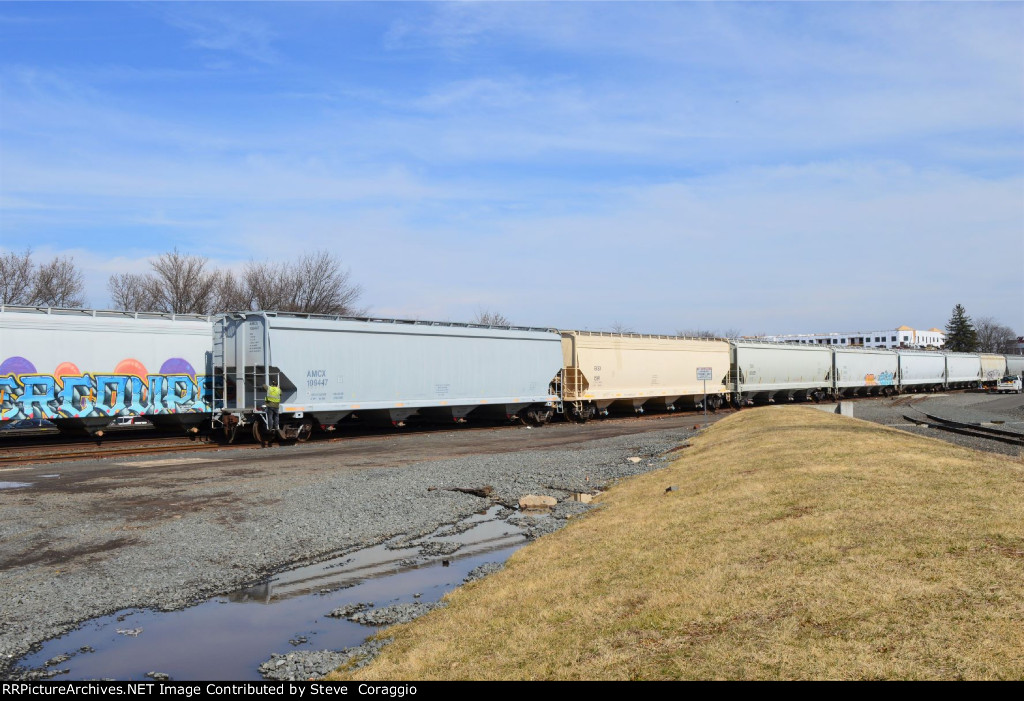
{"type": "Point", "coordinates": [49, 450]}
{"type": "Point", "coordinates": [969, 429]}
{"type": "Point", "coordinates": [37, 456]}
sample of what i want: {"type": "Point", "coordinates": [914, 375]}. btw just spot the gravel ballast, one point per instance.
{"type": "Point", "coordinates": [165, 539]}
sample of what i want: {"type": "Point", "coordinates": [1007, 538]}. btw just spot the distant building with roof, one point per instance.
{"type": "Point", "coordinates": [900, 337]}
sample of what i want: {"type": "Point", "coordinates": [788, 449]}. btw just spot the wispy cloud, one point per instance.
{"type": "Point", "coordinates": [214, 28]}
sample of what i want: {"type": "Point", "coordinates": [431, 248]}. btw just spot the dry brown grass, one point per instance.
{"type": "Point", "coordinates": [799, 545]}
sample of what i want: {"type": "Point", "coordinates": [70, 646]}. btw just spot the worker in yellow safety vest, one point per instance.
{"type": "Point", "coordinates": [273, 405]}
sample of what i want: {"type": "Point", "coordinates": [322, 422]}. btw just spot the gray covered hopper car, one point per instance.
{"type": "Point", "coordinates": [963, 370]}
{"type": "Point", "coordinates": [764, 372]}
{"type": "Point", "coordinates": [1015, 365]}
{"type": "Point", "coordinates": [382, 370]}
{"type": "Point", "coordinates": [921, 370]}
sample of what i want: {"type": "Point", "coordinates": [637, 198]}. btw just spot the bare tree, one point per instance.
{"type": "Point", "coordinates": [314, 284]}
{"type": "Point", "coordinates": [59, 284]}
{"type": "Point", "coordinates": [184, 284]}
{"type": "Point", "coordinates": [17, 278]}
{"type": "Point", "coordinates": [265, 285]}
{"type": "Point", "coordinates": [181, 284]}
{"type": "Point", "coordinates": [321, 286]}
{"type": "Point", "coordinates": [993, 337]}
{"type": "Point", "coordinates": [232, 293]}
{"type": "Point", "coordinates": [619, 327]}
{"type": "Point", "coordinates": [708, 333]}
{"type": "Point", "coordinates": [486, 317]}
{"type": "Point", "coordinates": [131, 292]}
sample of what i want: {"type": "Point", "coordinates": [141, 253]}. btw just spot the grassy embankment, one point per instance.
{"type": "Point", "coordinates": [799, 545]}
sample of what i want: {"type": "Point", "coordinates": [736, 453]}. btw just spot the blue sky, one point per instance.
{"type": "Point", "coordinates": [764, 167]}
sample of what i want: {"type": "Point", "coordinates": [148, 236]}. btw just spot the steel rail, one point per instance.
{"type": "Point", "coordinates": [972, 432]}
{"type": "Point", "coordinates": [103, 453]}
{"type": "Point", "coordinates": [978, 427]}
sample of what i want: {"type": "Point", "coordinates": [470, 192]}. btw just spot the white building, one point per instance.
{"type": "Point", "coordinates": [901, 337]}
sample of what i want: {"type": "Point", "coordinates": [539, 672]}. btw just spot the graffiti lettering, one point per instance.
{"type": "Point", "coordinates": [882, 378]}
{"type": "Point", "coordinates": [71, 396]}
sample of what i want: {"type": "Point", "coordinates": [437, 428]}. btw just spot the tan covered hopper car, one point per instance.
{"type": "Point", "coordinates": [610, 371]}
{"type": "Point", "coordinates": [993, 367]}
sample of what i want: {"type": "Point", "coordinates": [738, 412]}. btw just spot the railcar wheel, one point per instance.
{"type": "Point", "coordinates": [534, 418]}
{"type": "Point", "coordinates": [577, 415]}
{"type": "Point", "coordinates": [260, 435]}
{"type": "Point", "coordinates": [304, 431]}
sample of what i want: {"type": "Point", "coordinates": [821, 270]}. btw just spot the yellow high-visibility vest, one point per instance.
{"type": "Point", "coordinates": [274, 395]}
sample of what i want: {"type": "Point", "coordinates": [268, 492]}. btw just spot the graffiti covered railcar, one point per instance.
{"type": "Point", "coordinates": [866, 371]}
{"type": "Point", "coordinates": [993, 367]}
{"type": "Point", "coordinates": [81, 369]}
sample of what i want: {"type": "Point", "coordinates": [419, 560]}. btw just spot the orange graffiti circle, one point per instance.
{"type": "Point", "coordinates": [65, 369]}
{"type": "Point", "coordinates": [130, 366]}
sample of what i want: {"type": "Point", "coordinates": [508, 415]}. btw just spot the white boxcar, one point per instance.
{"type": "Point", "coordinates": [380, 369]}
{"type": "Point", "coordinates": [764, 371]}
{"type": "Point", "coordinates": [627, 371]}
{"type": "Point", "coordinates": [865, 371]}
{"type": "Point", "coordinates": [921, 370]}
{"type": "Point", "coordinates": [1015, 365]}
{"type": "Point", "coordinates": [963, 370]}
{"type": "Point", "coordinates": [82, 368]}
{"type": "Point", "coordinates": [993, 367]}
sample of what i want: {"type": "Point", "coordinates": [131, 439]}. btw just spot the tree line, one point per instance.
{"type": "Point", "coordinates": [183, 283]}
{"type": "Point", "coordinates": [314, 283]}
{"type": "Point", "coordinates": [54, 283]}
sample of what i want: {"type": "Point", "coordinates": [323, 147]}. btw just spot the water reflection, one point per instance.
{"type": "Point", "coordinates": [226, 638]}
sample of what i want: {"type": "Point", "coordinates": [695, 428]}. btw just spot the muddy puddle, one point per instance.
{"type": "Point", "coordinates": [228, 637]}
{"type": "Point", "coordinates": [14, 485]}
